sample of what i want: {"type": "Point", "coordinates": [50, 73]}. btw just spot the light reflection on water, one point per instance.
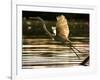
{"type": "Point", "coordinates": [43, 52]}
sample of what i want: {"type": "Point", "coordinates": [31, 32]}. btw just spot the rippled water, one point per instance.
{"type": "Point", "coordinates": [44, 52]}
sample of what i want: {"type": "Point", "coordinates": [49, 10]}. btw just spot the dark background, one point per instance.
{"type": "Point", "coordinates": [78, 23]}
{"type": "Point", "coordinates": [53, 15]}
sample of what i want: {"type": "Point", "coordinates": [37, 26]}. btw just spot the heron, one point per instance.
{"type": "Point", "coordinates": [63, 38]}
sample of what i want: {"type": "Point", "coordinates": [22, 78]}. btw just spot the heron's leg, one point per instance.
{"type": "Point", "coordinates": [76, 49]}
{"type": "Point", "coordinates": [72, 48]}
{"type": "Point", "coordinates": [74, 52]}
